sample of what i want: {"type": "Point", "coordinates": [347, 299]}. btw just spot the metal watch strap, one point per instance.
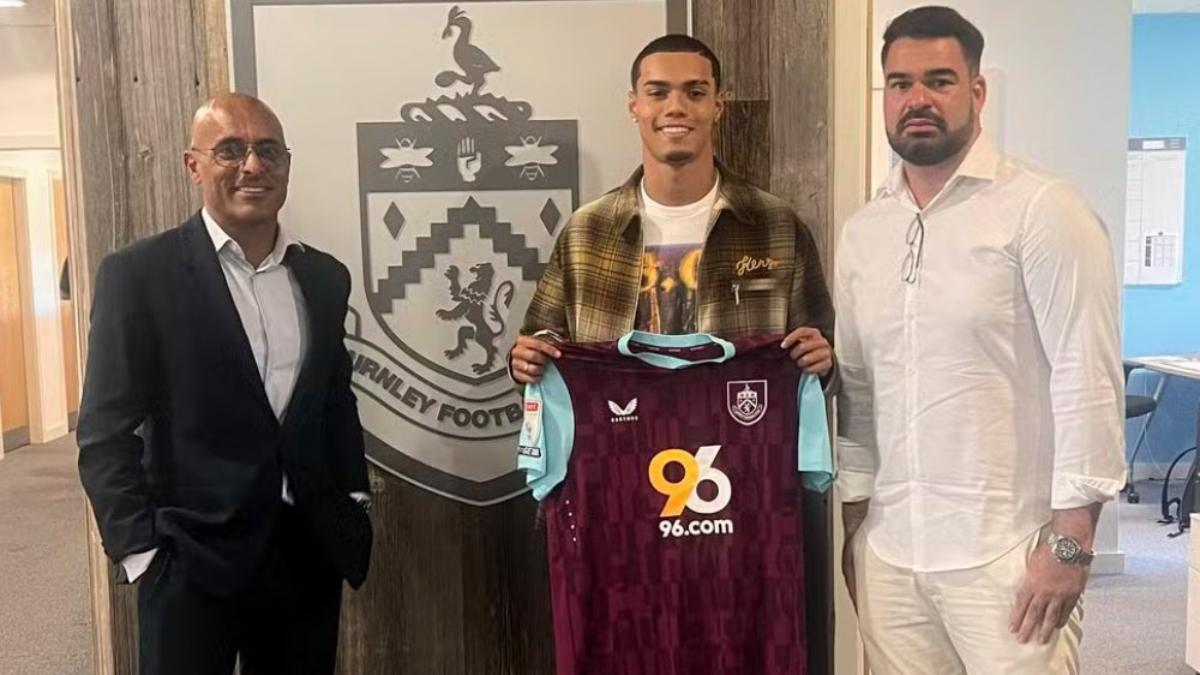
{"type": "Point", "coordinates": [1081, 556]}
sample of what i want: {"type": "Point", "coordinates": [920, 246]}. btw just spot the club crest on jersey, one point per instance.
{"type": "Point", "coordinates": [625, 413]}
{"type": "Point", "coordinates": [746, 400]}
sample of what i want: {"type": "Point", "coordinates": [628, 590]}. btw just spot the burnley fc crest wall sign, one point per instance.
{"type": "Point", "coordinates": [438, 149]}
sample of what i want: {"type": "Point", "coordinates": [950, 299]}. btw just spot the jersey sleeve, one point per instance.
{"type": "Point", "coordinates": [547, 433]}
{"type": "Point", "coordinates": [814, 456]}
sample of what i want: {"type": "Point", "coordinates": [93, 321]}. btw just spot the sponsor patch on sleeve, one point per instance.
{"type": "Point", "coordinates": [532, 426]}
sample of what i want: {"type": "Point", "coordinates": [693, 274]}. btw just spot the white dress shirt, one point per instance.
{"type": "Point", "coordinates": [990, 391]}
{"type": "Point", "coordinates": [275, 319]}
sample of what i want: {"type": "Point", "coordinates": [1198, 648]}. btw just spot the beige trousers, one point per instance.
{"type": "Point", "coordinates": [955, 622]}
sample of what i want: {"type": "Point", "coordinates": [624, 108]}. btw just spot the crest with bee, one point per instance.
{"type": "Point", "coordinates": [461, 197]}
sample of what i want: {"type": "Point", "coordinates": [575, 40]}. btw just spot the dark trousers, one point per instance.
{"type": "Point", "coordinates": [286, 621]}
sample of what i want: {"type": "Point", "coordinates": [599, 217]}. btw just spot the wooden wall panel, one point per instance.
{"type": "Point", "coordinates": [453, 589]}
{"type": "Point", "coordinates": [776, 133]}
{"type": "Point", "coordinates": [801, 87]}
{"type": "Point", "coordinates": [747, 124]}
{"type": "Point", "coordinates": [737, 32]}
{"type": "Point", "coordinates": [131, 72]}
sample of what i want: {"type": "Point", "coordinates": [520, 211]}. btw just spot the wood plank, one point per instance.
{"type": "Point", "coordinates": [746, 124]}
{"type": "Point", "coordinates": [778, 55]}
{"type": "Point", "coordinates": [159, 92]}
{"type": "Point", "coordinates": [103, 658]}
{"type": "Point", "coordinates": [801, 95]}
{"type": "Point", "coordinates": [801, 85]}
{"type": "Point", "coordinates": [129, 82]}
{"type": "Point", "coordinates": [99, 142]}
{"type": "Point", "coordinates": [453, 589]}
{"type": "Point", "coordinates": [211, 29]}
{"type": "Point", "coordinates": [736, 31]}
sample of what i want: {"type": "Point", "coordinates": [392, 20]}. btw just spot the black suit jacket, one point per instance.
{"type": "Point", "coordinates": [178, 445]}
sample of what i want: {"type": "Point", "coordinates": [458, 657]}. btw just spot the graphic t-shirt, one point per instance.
{"type": "Point", "coordinates": [673, 238]}
{"type": "Point", "coordinates": [670, 469]}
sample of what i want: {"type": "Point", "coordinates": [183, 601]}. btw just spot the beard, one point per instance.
{"type": "Point", "coordinates": [678, 157]}
{"type": "Point", "coordinates": [930, 150]}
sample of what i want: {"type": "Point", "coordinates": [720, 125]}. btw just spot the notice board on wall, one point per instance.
{"type": "Point", "coordinates": [1154, 211]}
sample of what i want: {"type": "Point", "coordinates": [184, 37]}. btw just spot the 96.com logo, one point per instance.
{"type": "Point", "coordinates": [685, 494]}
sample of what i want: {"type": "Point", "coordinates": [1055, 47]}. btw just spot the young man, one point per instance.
{"type": "Point", "coordinates": [982, 383]}
{"type": "Point", "coordinates": [684, 245]}
{"type": "Point", "coordinates": [219, 440]}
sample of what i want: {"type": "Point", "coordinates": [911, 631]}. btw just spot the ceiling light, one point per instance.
{"type": "Point", "coordinates": [12, 3]}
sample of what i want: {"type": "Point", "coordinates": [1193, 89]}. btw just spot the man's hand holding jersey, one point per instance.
{"type": "Point", "coordinates": [810, 350]}
{"type": "Point", "coordinates": [527, 360]}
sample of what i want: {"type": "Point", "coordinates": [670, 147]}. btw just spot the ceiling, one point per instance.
{"type": "Point", "coordinates": [34, 13]}
{"type": "Point", "coordinates": [1165, 6]}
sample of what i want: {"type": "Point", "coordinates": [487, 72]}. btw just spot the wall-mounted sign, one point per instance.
{"type": "Point", "coordinates": [438, 149]}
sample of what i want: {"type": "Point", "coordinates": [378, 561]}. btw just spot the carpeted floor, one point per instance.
{"type": "Point", "coordinates": [1133, 623]}
{"type": "Point", "coordinates": [45, 620]}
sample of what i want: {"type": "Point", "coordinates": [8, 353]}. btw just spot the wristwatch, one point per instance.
{"type": "Point", "coordinates": [1068, 551]}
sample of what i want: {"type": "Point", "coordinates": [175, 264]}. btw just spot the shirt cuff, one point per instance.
{"type": "Point", "coordinates": [1073, 491]}
{"type": "Point", "coordinates": [831, 382]}
{"type": "Point", "coordinates": [363, 499]}
{"type": "Point", "coordinates": [136, 564]}
{"type": "Point", "coordinates": [854, 486]}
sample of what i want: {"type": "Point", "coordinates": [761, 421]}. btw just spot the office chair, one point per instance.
{"type": "Point", "coordinates": [1135, 406]}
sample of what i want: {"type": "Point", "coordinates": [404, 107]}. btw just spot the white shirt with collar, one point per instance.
{"type": "Point", "coordinates": [989, 391]}
{"type": "Point", "coordinates": [274, 317]}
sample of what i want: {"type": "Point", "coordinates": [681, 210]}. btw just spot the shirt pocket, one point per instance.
{"type": "Point", "coordinates": [757, 285]}
{"type": "Point", "coordinates": [760, 292]}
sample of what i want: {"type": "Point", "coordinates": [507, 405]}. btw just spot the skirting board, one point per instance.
{"type": "Point", "coordinates": [15, 438]}
{"type": "Point", "coordinates": [52, 433]}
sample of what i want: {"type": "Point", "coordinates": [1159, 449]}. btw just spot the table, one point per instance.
{"type": "Point", "coordinates": [1187, 366]}
{"type": "Point", "coordinates": [1183, 366]}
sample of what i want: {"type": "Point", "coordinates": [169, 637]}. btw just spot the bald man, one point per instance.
{"type": "Point", "coordinates": [219, 440]}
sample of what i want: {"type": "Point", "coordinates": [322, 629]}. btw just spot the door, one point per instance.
{"type": "Point", "coordinates": [14, 402]}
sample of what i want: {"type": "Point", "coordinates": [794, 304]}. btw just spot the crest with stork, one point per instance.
{"type": "Point", "coordinates": [474, 62]}
{"type": "Point", "coordinates": [460, 201]}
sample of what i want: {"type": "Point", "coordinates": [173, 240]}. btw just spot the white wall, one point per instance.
{"type": "Point", "coordinates": [29, 103]}
{"type": "Point", "coordinates": [1064, 104]}
{"type": "Point", "coordinates": [851, 103]}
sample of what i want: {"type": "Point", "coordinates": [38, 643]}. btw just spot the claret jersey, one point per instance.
{"type": "Point", "coordinates": [670, 468]}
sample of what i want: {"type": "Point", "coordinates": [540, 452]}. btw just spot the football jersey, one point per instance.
{"type": "Point", "coordinates": [670, 469]}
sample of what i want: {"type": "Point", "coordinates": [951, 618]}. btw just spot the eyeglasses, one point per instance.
{"type": "Point", "coordinates": [233, 154]}
{"type": "Point", "coordinates": [916, 245]}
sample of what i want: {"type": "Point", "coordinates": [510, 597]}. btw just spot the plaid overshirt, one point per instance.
{"type": "Point", "coordinates": [759, 271]}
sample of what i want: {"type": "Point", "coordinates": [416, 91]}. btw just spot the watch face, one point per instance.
{"type": "Point", "coordinates": [1066, 549]}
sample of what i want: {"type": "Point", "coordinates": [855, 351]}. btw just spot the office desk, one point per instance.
{"type": "Point", "coordinates": [1181, 366]}
{"type": "Point", "coordinates": [1187, 366]}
